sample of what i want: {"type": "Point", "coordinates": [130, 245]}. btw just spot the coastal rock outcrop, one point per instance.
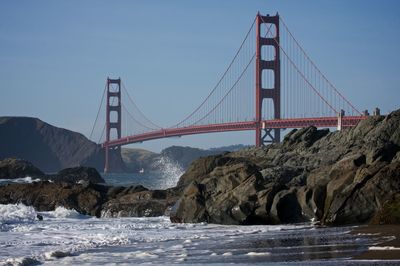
{"type": "Point", "coordinates": [12, 168]}
{"type": "Point", "coordinates": [139, 202]}
{"type": "Point", "coordinates": [89, 199]}
{"type": "Point", "coordinates": [46, 196]}
{"type": "Point", "coordinates": [78, 188]}
{"type": "Point", "coordinates": [341, 177]}
{"type": "Point", "coordinates": [76, 174]}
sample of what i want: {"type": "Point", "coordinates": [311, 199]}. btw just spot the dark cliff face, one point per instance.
{"type": "Point", "coordinates": [12, 168]}
{"type": "Point", "coordinates": [49, 148]}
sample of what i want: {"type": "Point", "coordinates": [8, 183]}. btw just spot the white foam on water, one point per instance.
{"type": "Point", "coordinates": [61, 212]}
{"type": "Point", "coordinates": [22, 261]}
{"type": "Point", "coordinates": [383, 248]}
{"type": "Point", "coordinates": [16, 213]}
{"type": "Point", "coordinates": [20, 180]}
{"type": "Point", "coordinates": [258, 254]}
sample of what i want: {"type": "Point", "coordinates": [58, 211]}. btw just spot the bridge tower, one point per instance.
{"type": "Point", "coordinates": [263, 133]}
{"type": "Point", "coordinates": [113, 118]}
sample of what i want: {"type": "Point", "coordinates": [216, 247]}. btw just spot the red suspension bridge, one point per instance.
{"type": "Point", "coordinates": [271, 84]}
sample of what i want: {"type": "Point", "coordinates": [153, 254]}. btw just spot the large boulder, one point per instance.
{"type": "Point", "coordinates": [46, 196]}
{"type": "Point", "coordinates": [77, 174]}
{"type": "Point", "coordinates": [226, 194]}
{"type": "Point", "coordinates": [12, 168]}
{"type": "Point", "coordinates": [138, 202]}
{"type": "Point", "coordinates": [365, 197]}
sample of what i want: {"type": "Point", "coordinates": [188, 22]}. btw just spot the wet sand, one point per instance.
{"type": "Point", "coordinates": [389, 232]}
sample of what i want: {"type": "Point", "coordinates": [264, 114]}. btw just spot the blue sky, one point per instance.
{"type": "Point", "coordinates": [56, 55]}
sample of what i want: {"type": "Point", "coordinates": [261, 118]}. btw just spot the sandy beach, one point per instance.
{"type": "Point", "coordinates": [384, 250]}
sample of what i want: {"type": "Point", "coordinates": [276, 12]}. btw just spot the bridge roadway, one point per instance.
{"type": "Point", "coordinates": [347, 121]}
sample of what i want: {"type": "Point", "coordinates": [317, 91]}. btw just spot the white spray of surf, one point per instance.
{"type": "Point", "coordinates": [61, 212]}
{"type": "Point", "coordinates": [20, 180]}
{"type": "Point", "coordinates": [170, 171]}
{"type": "Point", "coordinates": [16, 213]}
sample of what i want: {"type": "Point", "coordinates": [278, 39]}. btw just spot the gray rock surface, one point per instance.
{"type": "Point", "coordinates": [340, 177]}
{"type": "Point", "coordinates": [12, 168]}
{"type": "Point", "coordinates": [89, 199]}
{"type": "Point", "coordinates": [76, 174]}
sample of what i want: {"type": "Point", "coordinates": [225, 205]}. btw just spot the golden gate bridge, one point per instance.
{"type": "Point", "coordinates": [271, 84]}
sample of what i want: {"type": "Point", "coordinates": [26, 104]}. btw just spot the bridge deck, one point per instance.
{"type": "Point", "coordinates": [347, 121]}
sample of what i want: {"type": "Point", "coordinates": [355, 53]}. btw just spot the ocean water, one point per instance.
{"type": "Point", "coordinates": [65, 237]}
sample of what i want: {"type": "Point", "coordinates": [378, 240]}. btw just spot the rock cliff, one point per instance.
{"type": "Point", "coordinates": [342, 177]}
{"type": "Point", "coordinates": [48, 147]}
{"type": "Point", "coordinates": [12, 168]}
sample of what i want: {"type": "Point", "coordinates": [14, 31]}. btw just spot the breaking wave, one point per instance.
{"type": "Point", "coordinates": [170, 171]}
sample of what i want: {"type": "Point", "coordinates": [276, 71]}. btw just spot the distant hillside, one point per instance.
{"type": "Point", "coordinates": [136, 159]}
{"type": "Point", "coordinates": [49, 148]}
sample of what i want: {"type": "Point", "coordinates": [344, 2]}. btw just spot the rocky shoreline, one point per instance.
{"type": "Point", "coordinates": [336, 178]}
{"type": "Point", "coordinates": [81, 189]}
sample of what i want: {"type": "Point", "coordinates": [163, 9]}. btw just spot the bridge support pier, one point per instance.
{"type": "Point", "coordinates": [263, 133]}
{"type": "Point", "coordinates": [113, 119]}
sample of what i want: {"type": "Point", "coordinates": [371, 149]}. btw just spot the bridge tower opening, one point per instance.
{"type": "Point", "coordinates": [263, 133]}
{"type": "Point", "coordinates": [113, 120]}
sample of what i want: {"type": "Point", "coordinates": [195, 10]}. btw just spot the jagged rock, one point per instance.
{"type": "Point", "coordinates": [363, 200]}
{"type": "Point", "coordinates": [341, 177]}
{"type": "Point", "coordinates": [90, 199]}
{"type": "Point", "coordinates": [389, 213]}
{"type": "Point", "coordinates": [12, 168]}
{"type": "Point", "coordinates": [137, 204]}
{"type": "Point", "coordinates": [286, 207]}
{"type": "Point", "coordinates": [224, 195]}
{"type": "Point", "coordinates": [46, 196]}
{"type": "Point", "coordinates": [76, 174]}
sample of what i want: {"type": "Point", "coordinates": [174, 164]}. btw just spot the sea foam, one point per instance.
{"type": "Point", "coordinates": [61, 212]}
{"type": "Point", "coordinates": [21, 180]}
{"type": "Point", "coordinates": [16, 213]}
